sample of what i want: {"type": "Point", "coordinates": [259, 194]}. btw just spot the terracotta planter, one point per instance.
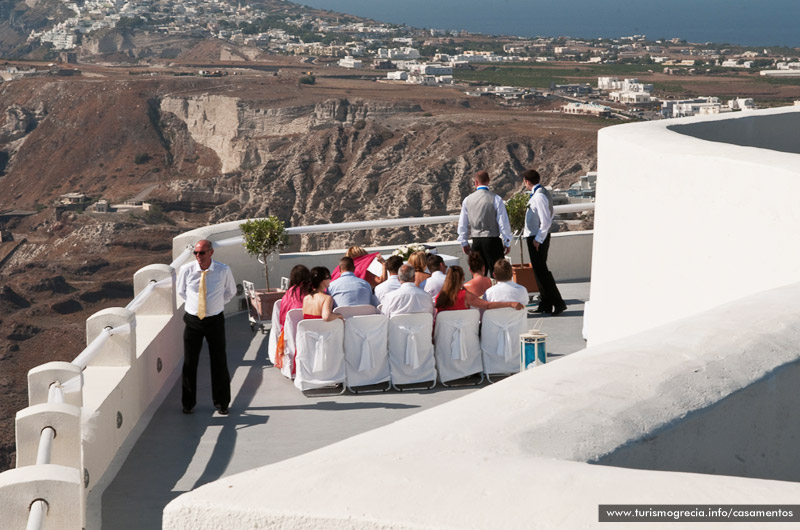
{"type": "Point", "coordinates": [523, 275]}
{"type": "Point", "coordinates": [265, 299]}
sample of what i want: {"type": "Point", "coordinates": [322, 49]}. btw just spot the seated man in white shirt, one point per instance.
{"type": "Point", "coordinates": [391, 283]}
{"type": "Point", "coordinates": [408, 298]}
{"type": "Point", "coordinates": [438, 272]}
{"type": "Point", "coordinates": [348, 289]}
{"type": "Point", "coordinates": [505, 290]}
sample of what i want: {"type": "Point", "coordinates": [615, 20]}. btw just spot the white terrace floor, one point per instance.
{"type": "Point", "coordinates": [270, 421]}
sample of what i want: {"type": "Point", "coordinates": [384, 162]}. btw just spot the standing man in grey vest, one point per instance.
{"type": "Point", "coordinates": [538, 220]}
{"type": "Point", "coordinates": [484, 219]}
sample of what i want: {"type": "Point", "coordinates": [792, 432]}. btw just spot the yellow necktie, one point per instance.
{"type": "Point", "coordinates": [201, 300]}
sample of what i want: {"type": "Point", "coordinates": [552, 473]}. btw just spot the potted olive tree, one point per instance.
{"type": "Point", "coordinates": [263, 237]}
{"type": "Point", "coordinates": [517, 206]}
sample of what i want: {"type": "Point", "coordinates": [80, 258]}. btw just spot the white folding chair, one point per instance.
{"type": "Point", "coordinates": [293, 316]}
{"type": "Point", "coordinates": [456, 345]}
{"type": "Point", "coordinates": [275, 331]}
{"type": "Point", "coordinates": [366, 350]}
{"type": "Point", "coordinates": [353, 310]}
{"type": "Point", "coordinates": [411, 350]}
{"type": "Point", "coordinates": [320, 355]}
{"type": "Point", "coordinates": [500, 331]}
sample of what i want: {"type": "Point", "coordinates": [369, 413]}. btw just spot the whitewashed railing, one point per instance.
{"type": "Point", "coordinates": [78, 428]}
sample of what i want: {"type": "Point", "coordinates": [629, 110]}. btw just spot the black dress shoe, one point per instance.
{"type": "Point", "coordinates": [542, 310]}
{"type": "Point", "coordinates": [223, 411]}
{"type": "Point", "coordinates": [559, 310]}
{"type": "Point", "coordinates": [188, 411]}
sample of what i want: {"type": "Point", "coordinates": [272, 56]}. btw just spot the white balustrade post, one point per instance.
{"type": "Point", "coordinates": [41, 377]}
{"type": "Point", "coordinates": [65, 421]}
{"type": "Point", "coordinates": [120, 349]}
{"type": "Point", "coordinates": [60, 488]}
{"type": "Point", "coordinates": [162, 300]}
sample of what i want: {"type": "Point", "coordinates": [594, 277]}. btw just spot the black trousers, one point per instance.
{"type": "Point", "coordinates": [213, 330]}
{"type": "Point", "coordinates": [491, 249]}
{"type": "Point", "coordinates": [549, 296]}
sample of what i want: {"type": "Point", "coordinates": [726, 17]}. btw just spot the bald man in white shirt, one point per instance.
{"type": "Point", "coordinates": [408, 298]}
{"type": "Point", "coordinates": [206, 285]}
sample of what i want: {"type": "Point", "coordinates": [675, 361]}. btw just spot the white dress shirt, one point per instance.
{"type": "Point", "coordinates": [502, 222]}
{"type": "Point", "coordinates": [434, 284]}
{"type": "Point", "coordinates": [387, 286]}
{"type": "Point", "coordinates": [220, 287]}
{"type": "Point", "coordinates": [407, 299]}
{"type": "Point", "coordinates": [539, 215]}
{"type": "Point", "coordinates": [507, 292]}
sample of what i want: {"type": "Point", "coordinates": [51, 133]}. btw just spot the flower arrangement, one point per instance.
{"type": "Point", "coordinates": [406, 250]}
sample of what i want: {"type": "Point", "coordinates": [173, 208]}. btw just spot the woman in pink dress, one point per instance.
{"type": "Point", "coordinates": [299, 287]}
{"type": "Point", "coordinates": [318, 303]}
{"type": "Point", "coordinates": [453, 296]}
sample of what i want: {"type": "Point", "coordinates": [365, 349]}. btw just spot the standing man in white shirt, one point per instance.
{"type": "Point", "coordinates": [484, 219]}
{"type": "Point", "coordinates": [438, 272]}
{"type": "Point", "coordinates": [538, 220]}
{"type": "Point", "coordinates": [206, 285]}
{"type": "Point", "coordinates": [505, 290]}
{"type": "Point", "coordinates": [408, 298]}
{"type": "Point", "coordinates": [391, 283]}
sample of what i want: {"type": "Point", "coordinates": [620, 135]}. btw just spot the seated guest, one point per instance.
{"type": "Point", "coordinates": [438, 269]}
{"type": "Point", "coordinates": [408, 298]}
{"type": "Point", "coordinates": [505, 290]}
{"type": "Point", "coordinates": [348, 289]}
{"type": "Point", "coordinates": [392, 283]}
{"type": "Point", "coordinates": [319, 304]}
{"type": "Point", "coordinates": [362, 260]}
{"type": "Point", "coordinates": [453, 296]}
{"type": "Point", "coordinates": [299, 287]}
{"type": "Point", "coordinates": [479, 282]}
{"type": "Point", "coordinates": [419, 262]}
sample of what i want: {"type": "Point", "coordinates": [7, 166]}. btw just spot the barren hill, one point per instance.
{"type": "Point", "coordinates": [226, 148]}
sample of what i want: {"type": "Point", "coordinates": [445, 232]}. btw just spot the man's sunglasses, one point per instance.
{"type": "Point", "coordinates": [199, 252]}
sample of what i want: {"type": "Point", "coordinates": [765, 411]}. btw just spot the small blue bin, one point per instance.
{"type": "Point", "coordinates": [532, 349]}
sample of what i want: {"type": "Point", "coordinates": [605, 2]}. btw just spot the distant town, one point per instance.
{"type": "Point", "coordinates": [431, 57]}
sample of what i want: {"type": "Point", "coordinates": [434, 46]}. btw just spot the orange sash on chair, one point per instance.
{"type": "Point", "coordinates": [279, 351]}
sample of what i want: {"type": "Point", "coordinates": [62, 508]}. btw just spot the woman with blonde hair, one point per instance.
{"type": "Point", "coordinates": [419, 261]}
{"type": "Point", "coordinates": [453, 296]}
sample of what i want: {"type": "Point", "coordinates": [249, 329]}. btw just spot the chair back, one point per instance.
{"type": "Point", "coordinates": [353, 310]}
{"type": "Point", "coordinates": [411, 349]}
{"type": "Point", "coordinates": [366, 349]}
{"type": "Point", "coordinates": [500, 331]}
{"type": "Point", "coordinates": [320, 354]}
{"type": "Point", "coordinates": [457, 345]}
{"type": "Point", "coordinates": [275, 331]}
{"type": "Point", "coordinates": [293, 317]}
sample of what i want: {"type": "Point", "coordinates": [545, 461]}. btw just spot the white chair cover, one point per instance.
{"type": "Point", "coordinates": [320, 354]}
{"type": "Point", "coordinates": [500, 331]}
{"type": "Point", "coordinates": [410, 349]}
{"type": "Point", "coordinates": [293, 316]}
{"type": "Point", "coordinates": [366, 349]}
{"type": "Point", "coordinates": [353, 310]}
{"type": "Point", "coordinates": [274, 331]}
{"type": "Point", "coordinates": [457, 346]}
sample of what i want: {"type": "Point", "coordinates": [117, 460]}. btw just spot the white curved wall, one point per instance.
{"type": "Point", "coordinates": [684, 224]}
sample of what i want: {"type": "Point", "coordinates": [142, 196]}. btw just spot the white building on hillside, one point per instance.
{"type": "Point", "coordinates": [350, 62]}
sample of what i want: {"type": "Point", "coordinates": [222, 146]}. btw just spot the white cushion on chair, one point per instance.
{"type": "Point", "coordinates": [320, 354]}
{"type": "Point", "coordinates": [293, 316]}
{"type": "Point", "coordinates": [366, 349]}
{"type": "Point", "coordinates": [272, 344]}
{"type": "Point", "coordinates": [354, 310]}
{"type": "Point", "coordinates": [500, 331]}
{"type": "Point", "coordinates": [456, 343]}
{"type": "Point", "coordinates": [410, 348]}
